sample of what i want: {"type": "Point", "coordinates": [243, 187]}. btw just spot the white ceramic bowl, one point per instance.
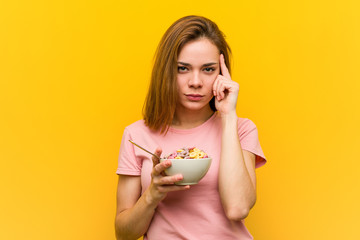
{"type": "Point", "coordinates": [193, 170]}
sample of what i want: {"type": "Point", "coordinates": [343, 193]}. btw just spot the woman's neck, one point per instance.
{"type": "Point", "coordinates": [186, 119]}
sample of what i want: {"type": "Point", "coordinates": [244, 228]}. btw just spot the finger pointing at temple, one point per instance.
{"type": "Point", "coordinates": [223, 68]}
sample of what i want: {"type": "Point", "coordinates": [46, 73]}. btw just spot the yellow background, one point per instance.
{"type": "Point", "coordinates": [73, 74]}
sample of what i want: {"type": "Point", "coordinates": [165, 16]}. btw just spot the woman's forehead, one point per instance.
{"type": "Point", "coordinates": [199, 51]}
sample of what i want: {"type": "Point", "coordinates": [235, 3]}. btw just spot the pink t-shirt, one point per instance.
{"type": "Point", "coordinates": [196, 213]}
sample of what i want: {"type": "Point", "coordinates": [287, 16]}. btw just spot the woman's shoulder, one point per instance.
{"type": "Point", "coordinates": [246, 125]}
{"type": "Point", "coordinates": [245, 121]}
{"type": "Point", "coordinates": [138, 125]}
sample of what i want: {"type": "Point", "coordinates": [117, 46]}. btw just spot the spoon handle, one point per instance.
{"type": "Point", "coordinates": [144, 149]}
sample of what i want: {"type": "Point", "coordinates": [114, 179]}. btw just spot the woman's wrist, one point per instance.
{"type": "Point", "coordinates": [229, 116]}
{"type": "Point", "coordinates": [150, 200]}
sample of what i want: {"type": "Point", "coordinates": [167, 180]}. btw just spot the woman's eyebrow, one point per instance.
{"type": "Point", "coordinates": [204, 65]}
{"type": "Point", "coordinates": [209, 64]}
{"type": "Point", "coordinates": [185, 64]}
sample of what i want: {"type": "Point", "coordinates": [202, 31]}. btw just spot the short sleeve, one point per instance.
{"type": "Point", "coordinates": [249, 140]}
{"type": "Point", "coordinates": [128, 163]}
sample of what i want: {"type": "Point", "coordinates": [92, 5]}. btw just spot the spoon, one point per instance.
{"type": "Point", "coordinates": [145, 150]}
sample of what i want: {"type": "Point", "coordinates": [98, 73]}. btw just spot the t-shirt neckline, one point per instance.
{"type": "Point", "coordinates": [189, 130]}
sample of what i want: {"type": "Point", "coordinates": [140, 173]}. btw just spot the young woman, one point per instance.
{"type": "Point", "coordinates": [191, 102]}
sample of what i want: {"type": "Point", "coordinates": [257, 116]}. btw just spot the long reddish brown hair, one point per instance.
{"type": "Point", "coordinates": [161, 100]}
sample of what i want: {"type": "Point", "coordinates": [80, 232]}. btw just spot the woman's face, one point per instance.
{"type": "Point", "coordinates": [198, 67]}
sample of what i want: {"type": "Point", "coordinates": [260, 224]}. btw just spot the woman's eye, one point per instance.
{"type": "Point", "coordinates": [209, 69]}
{"type": "Point", "coordinates": [182, 69]}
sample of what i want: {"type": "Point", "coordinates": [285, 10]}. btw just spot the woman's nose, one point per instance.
{"type": "Point", "coordinates": [195, 80]}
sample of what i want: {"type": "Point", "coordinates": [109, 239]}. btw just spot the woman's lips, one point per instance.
{"type": "Point", "coordinates": [194, 97]}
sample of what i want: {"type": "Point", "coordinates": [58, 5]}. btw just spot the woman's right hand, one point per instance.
{"type": "Point", "coordinates": [160, 183]}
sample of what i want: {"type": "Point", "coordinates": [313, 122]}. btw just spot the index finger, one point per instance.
{"type": "Point", "coordinates": [160, 168]}
{"type": "Point", "coordinates": [155, 160]}
{"type": "Point", "coordinates": [223, 68]}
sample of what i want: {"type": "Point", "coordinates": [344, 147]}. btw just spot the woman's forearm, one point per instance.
{"type": "Point", "coordinates": [132, 223]}
{"type": "Point", "coordinates": [237, 189]}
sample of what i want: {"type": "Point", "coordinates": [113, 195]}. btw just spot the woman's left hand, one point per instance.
{"type": "Point", "coordinates": [225, 90]}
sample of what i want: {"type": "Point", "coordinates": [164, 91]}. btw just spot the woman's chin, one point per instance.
{"type": "Point", "coordinates": [195, 106]}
